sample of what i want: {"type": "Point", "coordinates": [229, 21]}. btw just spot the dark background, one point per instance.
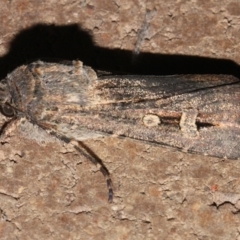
{"type": "Point", "coordinates": [56, 43]}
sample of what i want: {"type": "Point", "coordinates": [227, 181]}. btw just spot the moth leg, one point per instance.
{"type": "Point", "coordinates": [96, 160]}
{"type": "Point", "coordinates": [7, 125]}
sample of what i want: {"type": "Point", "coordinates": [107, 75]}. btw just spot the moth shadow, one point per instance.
{"type": "Point", "coordinates": [53, 43]}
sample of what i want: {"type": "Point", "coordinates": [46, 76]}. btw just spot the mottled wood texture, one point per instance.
{"type": "Point", "coordinates": [50, 191]}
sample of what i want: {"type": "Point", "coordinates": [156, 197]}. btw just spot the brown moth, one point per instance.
{"type": "Point", "coordinates": [194, 113]}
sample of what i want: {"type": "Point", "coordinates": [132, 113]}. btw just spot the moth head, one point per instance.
{"type": "Point", "coordinates": [5, 101]}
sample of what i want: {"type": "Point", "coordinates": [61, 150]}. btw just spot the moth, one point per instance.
{"type": "Point", "coordinates": [193, 113]}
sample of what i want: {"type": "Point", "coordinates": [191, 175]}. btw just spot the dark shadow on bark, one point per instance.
{"type": "Point", "coordinates": [71, 42]}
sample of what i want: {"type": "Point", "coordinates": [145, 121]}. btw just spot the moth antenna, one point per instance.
{"type": "Point", "coordinates": [88, 153]}
{"type": "Point", "coordinates": [96, 160]}
{"type": "Point", "coordinates": [4, 94]}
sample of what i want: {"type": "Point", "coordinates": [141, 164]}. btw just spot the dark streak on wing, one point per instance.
{"type": "Point", "coordinates": [148, 88]}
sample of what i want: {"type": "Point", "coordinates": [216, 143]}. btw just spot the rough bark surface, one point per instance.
{"type": "Point", "coordinates": [50, 191]}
